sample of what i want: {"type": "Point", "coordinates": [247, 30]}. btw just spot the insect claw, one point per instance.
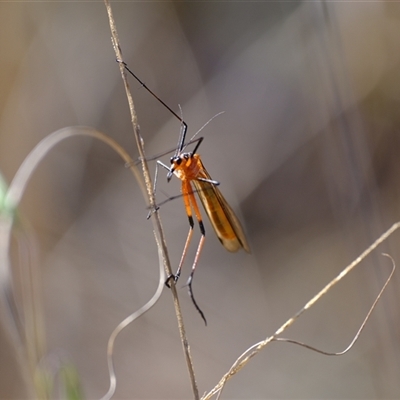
{"type": "Point", "coordinates": [168, 279]}
{"type": "Point", "coordinates": [152, 211]}
{"type": "Point", "coordinates": [172, 276]}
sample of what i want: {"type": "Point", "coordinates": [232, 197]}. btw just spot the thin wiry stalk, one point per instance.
{"type": "Point", "coordinates": [123, 324]}
{"type": "Point", "coordinates": [360, 329]}
{"type": "Point", "coordinates": [158, 231]}
{"type": "Point", "coordinates": [255, 349]}
{"type": "Point", "coordinates": [11, 202]}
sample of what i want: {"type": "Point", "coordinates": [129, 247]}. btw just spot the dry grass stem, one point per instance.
{"type": "Point", "coordinates": [255, 349]}
{"type": "Point", "coordinates": [158, 231]}
{"type": "Point", "coordinates": [33, 329]}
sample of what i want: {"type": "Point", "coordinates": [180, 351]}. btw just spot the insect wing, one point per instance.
{"type": "Point", "coordinates": [222, 218]}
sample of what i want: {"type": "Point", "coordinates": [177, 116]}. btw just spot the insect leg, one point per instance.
{"type": "Point", "coordinates": [186, 188]}
{"type": "Point", "coordinates": [196, 209]}
{"type": "Point", "coordinates": [185, 194]}
{"type": "Point", "coordinates": [159, 164]}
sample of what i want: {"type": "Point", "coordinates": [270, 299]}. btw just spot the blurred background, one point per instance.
{"type": "Point", "coordinates": [307, 153]}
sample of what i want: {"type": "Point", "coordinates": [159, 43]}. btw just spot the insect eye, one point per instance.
{"type": "Point", "coordinates": [176, 160]}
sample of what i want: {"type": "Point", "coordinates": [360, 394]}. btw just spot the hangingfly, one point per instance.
{"type": "Point", "coordinates": [188, 167]}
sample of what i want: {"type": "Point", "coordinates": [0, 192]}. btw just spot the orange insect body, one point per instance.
{"type": "Point", "coordinates": [189, 168]}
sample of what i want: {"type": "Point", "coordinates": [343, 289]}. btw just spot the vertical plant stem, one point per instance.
{"type": "Point", "coordinates": [158, 231]}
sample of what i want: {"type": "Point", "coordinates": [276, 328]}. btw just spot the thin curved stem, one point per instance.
{"type": "Point", "coordinates": [255, 349]}
{"type": "Point", "coordinates": [16, 191]}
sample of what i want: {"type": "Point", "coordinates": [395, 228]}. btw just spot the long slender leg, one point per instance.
{"type": "Point", "coordinates": [196, 209]}
{"type": "Point", "coordinates": [186, 191]}
{"type": "Point", "coordinates": [188, 240]}
{"type": "Point", "coordinates": [182, 136]}
{"type": "Point", "coordinates": [186, 188]}
{"type": "Point", "coordinates": [159, 164]}
{"type": "Point", "coordinates": [189, 283]}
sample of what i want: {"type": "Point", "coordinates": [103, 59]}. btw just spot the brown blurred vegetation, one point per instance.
{"type": "Point", "coordinates": [307, 152]}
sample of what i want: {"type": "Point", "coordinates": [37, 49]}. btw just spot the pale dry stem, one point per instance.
{"type": "Point", "coordinates": [255, 349]}
{"type": "Point", "coordinates": [158, 231]}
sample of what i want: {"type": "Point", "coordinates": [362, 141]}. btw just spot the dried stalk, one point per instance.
{"type": "Point", "coordinates": [255, 349]}
{"type": "Point", "coordinates": [158, 230]}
